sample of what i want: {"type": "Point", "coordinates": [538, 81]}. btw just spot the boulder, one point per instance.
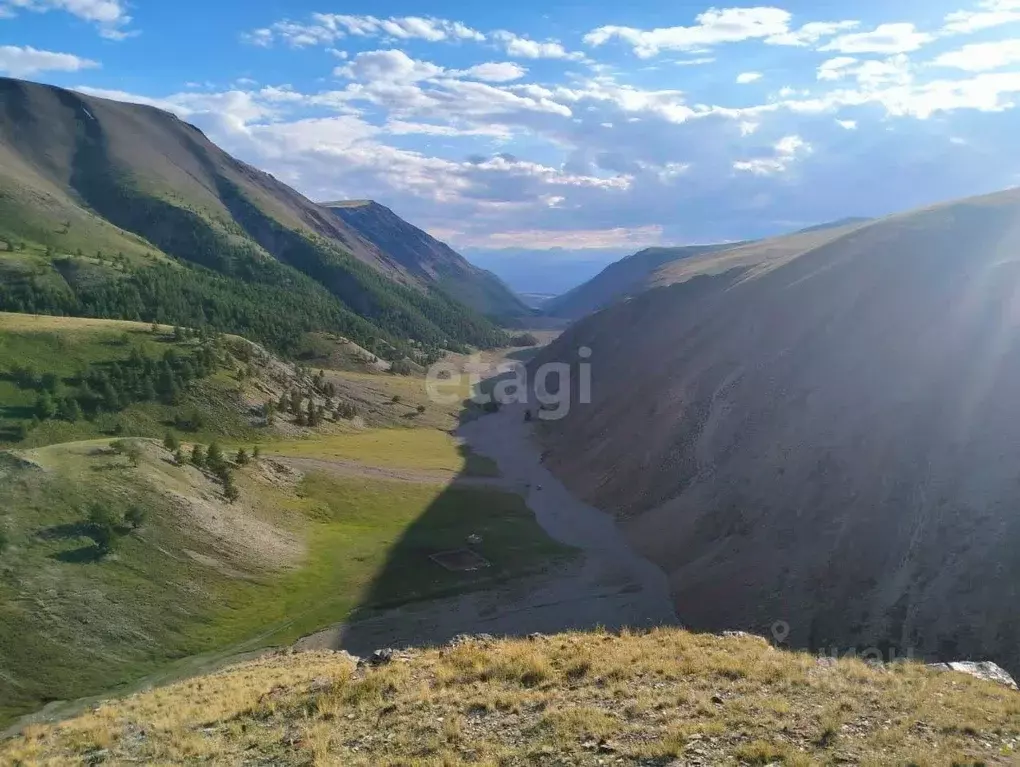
{"type": "Point", "coordinates": [986, 670]}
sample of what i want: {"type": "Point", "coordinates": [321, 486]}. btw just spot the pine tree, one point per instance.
{"type": "Point", "coordinates": [170, 442]}
{"type": "Point", "coordinates": [70, 410]}
{"type": "Point", "coordinates": [242, 457]}
{"type": "Point", "coordinates": [214, 458]}
{"type": "Point", "coordinates": [45, 407]}
{"type": "Point", "coordinates": [198, 456]}
{"type": "Point", "coordinates": [256, 453]}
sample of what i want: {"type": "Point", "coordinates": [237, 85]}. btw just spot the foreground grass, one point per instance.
{"type": "Point", "coordinates": [203, 576]}
{"type": "Point", "coordinates": [666, 697]}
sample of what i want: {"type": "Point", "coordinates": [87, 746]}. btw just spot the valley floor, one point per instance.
{"type": "Point", "coordinates": [608, 585]}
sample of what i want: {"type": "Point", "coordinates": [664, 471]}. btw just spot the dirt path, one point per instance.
{"type": "Point", "coordinates": [609, 585]}
{"type": "Point", "coordinates": [344, 468]}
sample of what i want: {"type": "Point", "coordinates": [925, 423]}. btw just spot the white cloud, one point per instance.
{"type": "Point", "coordinates": [885, 38]}
{"type": "Point", "coordinates": [786, 150]}
{"type": "Point", "coordinates": [895, 70]}
{"type": "Point", "coordinates": [110, 16]}
{"type": "Point", "coordinates": [525, 48]}
{"type": "Point", "coordinates": [981, 57]}
{"type": "Point", "coordinates": [327, 28]}
{"type": "Point", "coordinates": [23, 61]}
{"type": "Point", "coordinates": [992, 13]}
{"type": "Point", "coordinates": [811, 32]}
{"type": "Point", "coordinates": [713, 27]}
{"type": "Point", "coordinates": [494, 72]}
{"type": "Point", "coordinates": [847, 124]}
{"type": "Point", "coordinates": [748, 77]}
{"type": "Point", "coordinates": [393, 66]}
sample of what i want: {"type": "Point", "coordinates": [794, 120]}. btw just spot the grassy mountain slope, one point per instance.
{"type": "Point", "coordinates": [626, 277]}
{"type": "Point", "coordinates": [206, 576]}
{"type": "Point", "coordinates": [96, 194]}
{"type": "Point", "coordinates": [429, 260]}
{"type": "Point", "coordinates": [665, 697]}
{"type": "Point", "coordinates": [824, 436]}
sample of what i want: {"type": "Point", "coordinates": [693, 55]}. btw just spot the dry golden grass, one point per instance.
{"type": "Point", "coordinates": [575, 698]}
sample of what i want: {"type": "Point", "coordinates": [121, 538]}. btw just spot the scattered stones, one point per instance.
{"type": "Point", "coordinates": [536, 637]}
{"type": "Point", "coordinates": [381, 657]}
{"type": "Point", "coordinates": [718, 699]}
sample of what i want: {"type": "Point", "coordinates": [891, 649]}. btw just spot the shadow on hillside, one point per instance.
{"type": "Point", "coordinates": [472, 562]}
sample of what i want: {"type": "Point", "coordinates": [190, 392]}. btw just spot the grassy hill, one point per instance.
{"type": "Point", "coordinates": [822, 433]}
{"type": "Point", "coordinates": [323, 519]}
{"type": "Point", "coordinates": [430, 261]}
{"type": "Point", "coordinates": [124, 211]}
{"type": "Point", "coordinates": [665, 697]}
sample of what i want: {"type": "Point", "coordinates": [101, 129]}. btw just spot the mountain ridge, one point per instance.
{"type": "Point", "coordinates": [427, 259]}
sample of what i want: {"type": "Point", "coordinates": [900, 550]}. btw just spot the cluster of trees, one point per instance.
{"type": "Point", "coordinates": [111, 387]}
{"type": "Point", "coordinates": [106, 527]}
{"type": "Point", "coordinates": [213, 460]}
{"type": "Point", "coordinates": [307, 412]}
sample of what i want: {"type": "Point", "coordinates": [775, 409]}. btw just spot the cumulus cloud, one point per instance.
{"type": "Point", "coordinates": [991, 13]}
{"type": "Point", "coordinates": [393, 66]}
{"type": "Point", "coordinates": [895, 70]}
{"type": "Point", "coordinates": [885, 38]}
{"type": "Point", "coordinates": [494, 72]}
{"type": "Point", "coordinates": [717, 26]}
{"type": "Point", "coordinates": [526, 48]}
{"type": "Point", "coordinates": [748, 77]}
{"type": "Point", "coordinates": [713, 27]}
{"type": "Point", "coordinates": [110, 16]}
{"type": "Point", "coordinates": [327, 28]}
{"type": "Point", "coordinates": [785, 151]}
{"type": "Point", "coordinates": [811, 32]}
{"type": "Point", "coordinates": [24, 61]}
{"type": "Point", "coordinates": [981, 57]}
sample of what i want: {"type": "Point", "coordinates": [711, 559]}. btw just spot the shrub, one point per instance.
{"type": "Point", "coordinates": [242, 457]}
{"type": "Point", "coordinates": [396, 399]}
{"type": "Point", "coordinates": [170, 442]}
{"type": "Point", "coordinates": [256, 453]}
{"type": "Point", "coordinates": [198, 456]}
{"type": "Point", "coordinates": [128, 449]}
{"type": "Point", "coordinates": [135, 517]}
{"type": "Point", "coordinates": [421, 409]}
{"type": "Point", "coordinates": [5, 540]}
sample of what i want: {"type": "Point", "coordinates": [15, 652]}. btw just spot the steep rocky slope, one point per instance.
{"type": "Point", "coordinates": [428, 260]}
{"type": "Point", "coordinates": [823, 436]}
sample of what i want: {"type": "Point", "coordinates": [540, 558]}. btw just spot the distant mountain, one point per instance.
{"type": "Point", "coordinates": [428, 260]}
{"type": "Point", "coordinates": [121, 210]}
{"type": "Point", "coordinates": [820, 430]}
{"type": "Point", "coordinates": [552, 271]}
{"type": "Point", "coordinates": [626, 277]}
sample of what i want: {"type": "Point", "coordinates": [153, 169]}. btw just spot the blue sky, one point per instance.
{"type": "Point", "coordinates": [568, 125]}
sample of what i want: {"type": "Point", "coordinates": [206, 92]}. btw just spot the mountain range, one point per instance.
{"type": "Point", "coordinates": [121, 210]}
